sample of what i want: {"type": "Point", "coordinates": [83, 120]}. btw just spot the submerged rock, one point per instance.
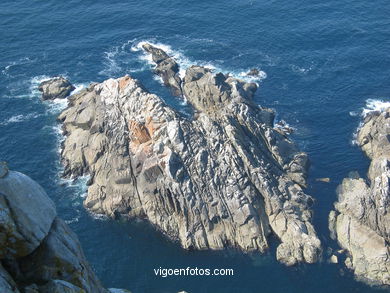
{"type": "Point", "coordinates": [38, 251]}
{"type": "Point", "coordinates": [361, 220]}
{"type": "Point", "coordinates": [253, 72]}
{"type": "Point", "coordinates": [55, 88]}
{"type": "Point", "coordinates": [224, 178]}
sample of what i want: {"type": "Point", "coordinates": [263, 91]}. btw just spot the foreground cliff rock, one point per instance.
{"type": "Point", "coordinates": [361, 220]}
{"type": "Point", "coordinates": [224, 178]}
{"type": "Point", "coordinates": [38, 251]}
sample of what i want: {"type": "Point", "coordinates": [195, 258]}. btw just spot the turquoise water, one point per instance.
{"type": "Point", "coordinates": [321, 60]}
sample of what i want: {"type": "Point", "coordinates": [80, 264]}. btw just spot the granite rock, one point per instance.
{"type": "Point", "coordinates": [60, 257]}
{"type": "Point", "coordinates": [166, 67]}
{"type": "Point", "coordinates": [223, 178]}
{"type": "Point", "coordinates": [26, 215]}
{"type": "Point", "coordinates": [55, 88]}
{"type": "Point", "coordinates": [361, 220]}
{"type": "Point", "coordinates": [38, 251]}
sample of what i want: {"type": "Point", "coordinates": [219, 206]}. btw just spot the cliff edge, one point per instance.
{"type": "Point", "coordinates": [38, 251]}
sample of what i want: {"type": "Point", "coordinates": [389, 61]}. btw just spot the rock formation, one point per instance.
{"type": "Point", "coordinates": [38, 251]}
{"type": "Point", "coordinates": [55, 88]}
{"type": "Point", "coordinates": [166, 67]}
{"type": "Point", "coordinates": [224, 178]}
{"type": "Point", "coordinates": [361, 220]}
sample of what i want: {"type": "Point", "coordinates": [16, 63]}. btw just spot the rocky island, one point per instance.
{"type": "Point", "coordinates": [38, 251]}
{"type": "Point", "coordinates": [225, 177]}
{"type": "Point", "coordinates": [361, 219]}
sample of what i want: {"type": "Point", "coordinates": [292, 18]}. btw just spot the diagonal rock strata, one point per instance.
{"type": "Point", "coordinates": [224, 178]}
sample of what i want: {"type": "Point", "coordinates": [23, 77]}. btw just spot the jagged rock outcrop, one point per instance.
{"type": "Point", "coordinates": [166, 67]}
{"type": "Point", "coordinates": [38, 251]}
{"type": "Point", "coordinates": [224, 178]}
{"type": "Point", "coordinates": [361, 220]}
{"type": "Point", "coordinates": [55, 88]}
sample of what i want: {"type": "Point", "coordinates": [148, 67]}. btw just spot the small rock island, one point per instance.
{"type": "Point", "coordinates": [225, 177]}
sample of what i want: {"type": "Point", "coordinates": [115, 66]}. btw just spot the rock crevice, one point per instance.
{"type": "Point", "coordinates": [38, 251]}
{"type": "Point", "coordinates": [225, 177]}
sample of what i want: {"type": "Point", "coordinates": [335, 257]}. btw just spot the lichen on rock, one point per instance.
{"type": "Point", "coordinates": [224, 177]}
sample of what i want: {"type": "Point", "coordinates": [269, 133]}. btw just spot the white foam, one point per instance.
{"type": "Point", "coordinates": [111, 64]}
{"type": "Point", "coordinates": [73, 220]}
{"type": "Point", "coordinates": [301, 70]}
{"type": "Point", "coordinates": [354, 113]}
{"type": "Point", "coordinates": [19, 118]}
{"type": "Point", "coordinates": [184, 62]}
{"type": "Point", "coordinates": [79, 87]}
{"type": "Point", "coordinates": [249, 78]}
{"type": "Point", "coordinates": [21, 61]}
{"type": "Point", "coordinates": [34, 83]}
{"type": "Point", "coordinates": [284, 126]}
{"type": "Point", "coordinates": [99, 217]}
{"type": "Point", "coordinates": [56, 106]}
{"type": "Point", "coordinates": [374, 105]}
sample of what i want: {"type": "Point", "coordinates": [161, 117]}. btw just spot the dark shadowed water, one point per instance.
{"type": "Point", "coordinates": [322, 61]}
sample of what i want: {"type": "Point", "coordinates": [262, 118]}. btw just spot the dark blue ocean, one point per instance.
{"type": "Point", "coordinates": [322, 63]}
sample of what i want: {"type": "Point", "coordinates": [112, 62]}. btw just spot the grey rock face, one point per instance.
{"type": "Point", "coordinates": [55, 88]}
{"type": "Point", "coordinates": [38, 251]}
{"type": "Point", "coordinates": [7, 284]}
{"type": "Point", "coordinates": [59, 286]}
{"type": "Point", "coordinates": [225, 178]}
{"type": "Point", "coordinates": [60, 256]}
{"type": "Point", "coordinates": [166, 68]}
{"type": "Point", "coordinates": [26, 215]}
{"type": "Point", "coordinates": [361, 220]}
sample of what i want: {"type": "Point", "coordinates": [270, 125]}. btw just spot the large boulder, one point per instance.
{"type": "Point", "coordinates": [55, 88]}
{"type": "Point", "coordinates": [26, 215]}
{"type": "Point", "coordinates": [38, 251]}
{"type": "Point", "coordinates": [361, 219]}
{"type": "Point", "coordinates": [60, 257]}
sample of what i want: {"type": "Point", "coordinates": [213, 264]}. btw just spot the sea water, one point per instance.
{"type": "Point", "coordinates": [323, 65]}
